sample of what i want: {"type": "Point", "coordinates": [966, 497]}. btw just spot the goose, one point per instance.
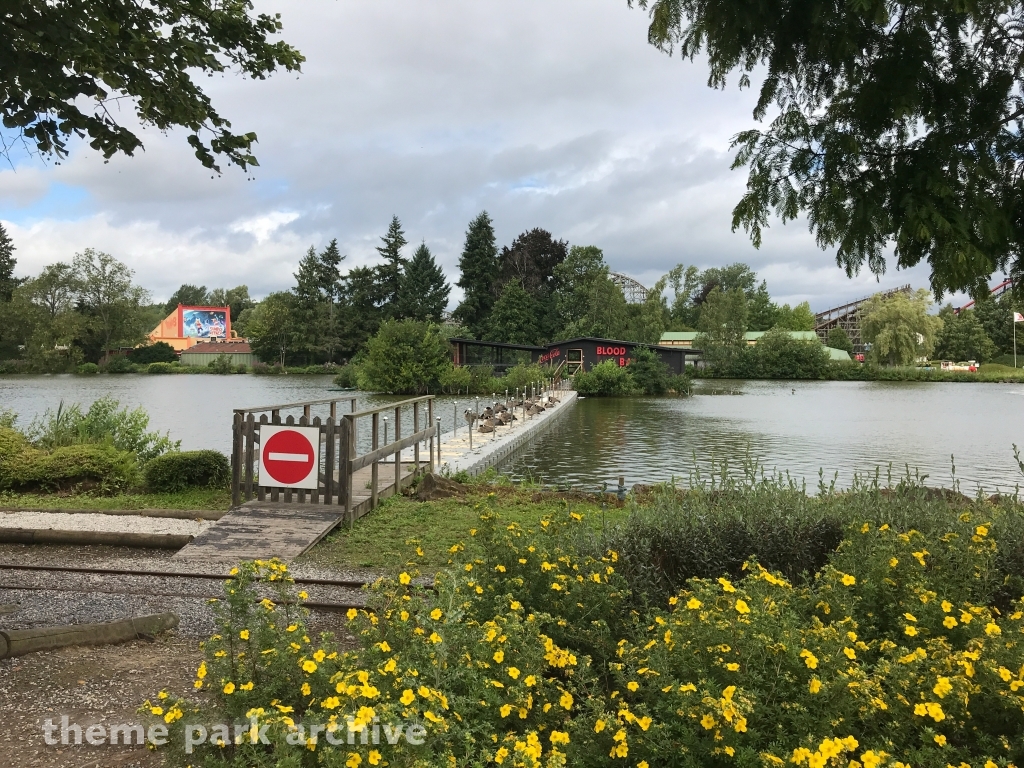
{"type": "Point", "coordinates": [486, 426]}
{"type": "Point", "coordinates": [469, 416]}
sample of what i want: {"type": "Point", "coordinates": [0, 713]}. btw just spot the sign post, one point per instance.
{"type": "Point", "coordinates": [289, 457]}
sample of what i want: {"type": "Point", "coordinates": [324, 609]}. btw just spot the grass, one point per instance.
{"type": "Point", "coordinates": [389, 535]}
{"type": "Point", "coordinates": [195, 498]}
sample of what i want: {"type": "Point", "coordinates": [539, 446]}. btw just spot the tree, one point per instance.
{"type": "Point", "coordinates": [105, 288]}
{"type": "Point", "coordinates": [271, 327]}
{"type": "Point", "coordinates": [899, 327]}
{"type": "Point", "coordinates": [649, 320]}
{"type": "Point", "coordinates": [722, 325]}
{"type": "Point", "coordinates": [405, 357]}
{"type": "Point", "coordinates": [390, 272]}
{"type": "Point", "coordinates": [840, 339]}
{"type": "Point", "coordinates": [424, 291]}
{"type": "Point", "coordinates": [963, 337]}
{"type": "Point", "coordinates": [531, 261]}
{"type": "Point", "coordinates": [587, 301]}
{"type": "Point", "coordinates": [996, 317]}
{"type": "Point", "coordinates": [236, 299]}
{"type": "Point", "coordinates": [7, 263]}
{"type": "Point", "coordinates": [692, 288]}
{"type": "Point", "coordinates": [190, 296]}
{"type": "Point", "coordinates": [896, 123]}
{"type": "Point", "coordinates": [798, 318]}
{"type": "Point", "coordinates": [650, 375]}
{"type": "Point", "coordinates": [762, 312]}
{"type": "Point", "coordinates": [54, 289]}
{"type": "Point", "coordinates": [777, 355]}
{"type": "Point", "coordinates": [478, 267]}
{"type": "Point", "coordinates": [514, 317]}
{"type": "Point", "coordinates": [64, 65]}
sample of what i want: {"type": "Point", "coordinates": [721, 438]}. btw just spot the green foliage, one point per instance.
{"type": "Point", "coordinates": [188, 295]}
{"type": "Point", "coordinates": [405, 357]}
{"type": "Point", "coordinates": [520, 376]}
{"type": "Point", "coordinates": [456, 380]}
{"type": "Point", "coordinates": [840, 339]}
{"type": "Point", "coordinates": [963, 337]}
{"type": "Point", "coordinates": [103, 422]}
{"type": "Point", "coordinates": [530, 262]}
{"type": "Point", "coordinates": [389, 274]}
{"type": "Point", "coordinates": [650, 375]}
{"type": "Point", "coordinates": [722, 325]}
{"type": "Point", "coordinates": [221, 365]}
{"type": "Point", "coordinates": [996, 316]}
{"type": "Point", "coordinates": [588, 302]}
{"type": "Point", "coordinates": [88, 369]}
{"type": "Point", "coordinates": [119, 364]}
{"type": "Point", "coordinates": [7, 263]}
{"type": "Point", "coordinates": [161, 368]}
{"type": "Point", "coordinates": [896, 125]}
{"type": "Point", "coordinates": [514, 318]}
{"type": "Point", "coordinates": [114, 302]}
{"type": "Point", "coordinates": [607, 379]}
{"type": "Point", "coordinates": [348, 377]}
{"type": "Point", "coordinates": [271, 327]}
{"type": "Point", "coordinates": [798, 318]}
{"type": "Point", "coordinates": [178, 470]}
{"type": "Point", "coordinates": [777, 355]}
{"type": "Point", "coordinates": [161, 352]}
{"type": "Point", "coordinates": [423, 294]}
{"type": "Point", "coordinates": [94, 467]}
{"type": "Point", "coordinates": [60, 82]}
{"type": "Point", "coordinates": [899, 327]}
{"type": "Point", "coordinates": [478, 265]}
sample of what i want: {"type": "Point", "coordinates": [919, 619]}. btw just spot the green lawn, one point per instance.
{"type": "Point", "coordinates": [196, 498]}
{"type": "Point", "coordinates": [389, 535]}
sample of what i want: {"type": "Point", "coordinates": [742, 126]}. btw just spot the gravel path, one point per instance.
{"type": "Point", "coordinates": [84, 521]}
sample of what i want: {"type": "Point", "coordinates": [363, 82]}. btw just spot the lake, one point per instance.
{"type": "Point", "coordinates": [839, 427]}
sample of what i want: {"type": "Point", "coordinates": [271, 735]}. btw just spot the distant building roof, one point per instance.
{"type": "Point", "coordinates": [677, 336]}
{"type": "Point", "coordinates": [839, 355]}
{"type": "Point", "coordinates": [219, 348]}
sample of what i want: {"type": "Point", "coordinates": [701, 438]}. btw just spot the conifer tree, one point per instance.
{"type": "Point", "coordinates": [7, 264]}
{"type": "Point", "coordinates": [479, 267]}
{"type": "Point", "coordinates": [391, 271]}
{"type": "Point", "coordinates": [424, 292]}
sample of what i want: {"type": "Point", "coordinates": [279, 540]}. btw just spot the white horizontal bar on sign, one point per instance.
{"type": "Point", "coordinates": [288, 456]}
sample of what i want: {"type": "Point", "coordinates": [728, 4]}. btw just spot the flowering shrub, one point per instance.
{"type": "Point", "coordinates": [534, 654]}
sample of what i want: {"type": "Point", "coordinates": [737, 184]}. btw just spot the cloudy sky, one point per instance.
{"type": "Point", "coordinates": [553, 114]}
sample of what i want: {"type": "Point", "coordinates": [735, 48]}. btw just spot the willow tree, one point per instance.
{"type": "Point", "coordinates": [891, 124]}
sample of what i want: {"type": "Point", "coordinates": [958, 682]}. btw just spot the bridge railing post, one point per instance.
{"type": "Point", "coordinates": [236, 460]}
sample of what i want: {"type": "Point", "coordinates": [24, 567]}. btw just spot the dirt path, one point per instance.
{"type": "Point", "coordinates": [103, 685]}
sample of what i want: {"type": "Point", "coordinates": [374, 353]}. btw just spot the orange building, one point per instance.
{"type": "Point", "coordinates": [187, 326]}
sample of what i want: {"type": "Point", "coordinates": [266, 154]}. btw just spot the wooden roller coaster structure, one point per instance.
{"type": "Point", "coordinates": [847, 317]}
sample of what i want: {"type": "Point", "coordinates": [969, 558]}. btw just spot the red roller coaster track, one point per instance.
{"type": "Point", "coordinates": [997, 291]}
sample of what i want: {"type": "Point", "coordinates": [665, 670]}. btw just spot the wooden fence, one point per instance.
{"type": "Point", "coordinates": [339, 460]}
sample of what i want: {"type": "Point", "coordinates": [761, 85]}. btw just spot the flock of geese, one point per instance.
{"type": "Point", "coordinates": [503, 414]}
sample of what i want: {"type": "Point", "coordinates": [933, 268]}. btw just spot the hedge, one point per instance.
{"type": "Point", "coordinates": [177, 471]}
{"type": "Point", "coordinates": [23, 467]}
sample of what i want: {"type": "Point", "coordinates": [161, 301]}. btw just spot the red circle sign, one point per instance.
{"type": "Point", "coordinates": [288, 457]}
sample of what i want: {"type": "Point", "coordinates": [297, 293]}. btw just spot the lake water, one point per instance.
{"type": "Point", "coordinates": [839, 427]}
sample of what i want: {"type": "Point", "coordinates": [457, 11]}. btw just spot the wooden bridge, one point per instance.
{"type": "Point", "coordinates": [268, 521]}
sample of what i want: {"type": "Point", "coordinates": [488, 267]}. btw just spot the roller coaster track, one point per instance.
{"type": "Point", "coordinates": [994, 293]}
{"type": "Point", "coordinates": [634, 292]}
{"type": "Point", "coordinates": [846, 317]}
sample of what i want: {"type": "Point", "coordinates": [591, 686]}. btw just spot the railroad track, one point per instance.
{"type": "Point", "coordinates": [115, 574]}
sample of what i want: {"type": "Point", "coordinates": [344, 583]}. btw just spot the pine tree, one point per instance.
{"type": "Point", "coordinates": [479, 267]}
{"type": "Point", "coordinates": [424, 291]}
{"type": "Point", "coordinates": [514, 319]}
{"type": "Point", "coordinates": [330, 284]}
{"type": "Point", "coordinates": [7, 263]}
{"type": "Point", "coordinates": [391, 271]}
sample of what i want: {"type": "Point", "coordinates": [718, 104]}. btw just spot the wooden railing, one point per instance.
{"type": "Point", "coordinates": [339, 458]}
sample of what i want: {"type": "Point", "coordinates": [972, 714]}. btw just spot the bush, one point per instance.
{"type": "Point", "coordinates": [650, 375]}
{"type": "Point", "coordinates": [161, 352]}
{"type": "Point", "coordinates": [88, 369]}
{"type": "Point", "coordinates": [405, 357]}
{"type": "Point", "coordinates": [177, 471]}
{"type": "Point", "coordinates": [241, 368]}
{"type": "Point", "coordinates": [104, 422]}
{"type": "Point", "coordinates": [455, 380]}
{"type": "Point", "coordinates": [607, 379]}
{"type": "Point", "coordinates": [119, 364]}
{"type": "Point", "coordinates": [160, 368]}
{"type": "Point", "coordinates": [263, 369]}
{"type": "Point", "coordinates": [221, 365]}
{"type": "Point", "coordinates": [347, 377]}
{"type": "Point", "coordinates": [102, 467]}
{"type": "Point", "coordinates": [534, 654]}
{"type": "Point", "coordinates": [779, 356]}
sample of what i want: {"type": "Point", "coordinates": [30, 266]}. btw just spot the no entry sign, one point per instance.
{"type": "Point", "coordinates": [289, 457]}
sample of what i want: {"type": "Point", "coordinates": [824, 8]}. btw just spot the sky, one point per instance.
{"type": "Point", "coordinates": [553, 114]}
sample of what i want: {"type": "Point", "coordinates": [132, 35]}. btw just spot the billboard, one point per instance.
{"type": "Point", "coordinates": [204, 323]}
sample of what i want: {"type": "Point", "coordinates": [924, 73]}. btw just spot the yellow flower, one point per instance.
{"type": "Point", "coordinates": [849, 580]}
{"type": "Point", "coordinates": [599, 726]}
{"type": "Point", "coordinates": [992, 629]}
{"type": "Point", "coordinates": [815, 685]}
{"type": "Point", "coordinates": [850, 653]}
{"type": "Point", "coordinates": [403, 578]}
{"type": "Point", "coordinates": [305, 689]}
{"type": "Point", "coordinates": [304, 595]}
{"type": "Point", "coordinates": [408, 697]}
{"type": "Point", "coordinates": [434, 638]}
{"type": "Point", "coordinates": [910, 631]}
{"type": "Point", "coordinates": [940, 740]}
{"type": "Point", "coordinates": [352, 613]}
{"type": "Point", "coordinates": [946, 606]}
{"type": "Point", "coordinates": [942, 687]}
{"type": "Point", "coordinates": [530, 680]}
{"type": "Point", "coordinates": [559, 737]}
{"type": "Point", "coordinates": [354, 760]}
{"type": "Point", "coordinates": [809, 659]}
{"type": "Point", "coordinates": [726, 585]}
{"type": "Point", "coordinates": [499, 656]}
{"type": "Point", "coordinates": [566, 700]}
{"type": "Point", "coordinates": [309, 666]}
{"type": "Point", "coordinates": [632, 685]}
{"type": "Point", "coordinates": [229, 688]}
{"type": "Point", "coordinates": [893, 562]}
{"type": "Point", "coordinates": [732, 667]}
{"type": "Point", "coordinates": [742, 607]}
{"type": "Point", "coordinates": [513, 672]}
{"type": "Point", "coordinates": [693, 603]}
{"type": "Point", "coordinates": [708, 721]}
{"type": "Point", "coordinates": [201, 672]}
{"type": "Point", "coordinates": [949, 622]}
{"type": "Point", "coordinates": [374, 757]}
{"type": "Point", "coordinates": [435, 614]}
{"type": "Point", "coordinates": [244, 634]}
{"type": "Point", "coordinates": [515, 605]}
{"type": "Point", "coordinates": [981, 530]}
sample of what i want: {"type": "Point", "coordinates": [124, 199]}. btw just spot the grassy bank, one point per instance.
{"type": "Point", "coordinates": [212, 499]}
{"type": "Point", "coordinates": [987, 374]}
